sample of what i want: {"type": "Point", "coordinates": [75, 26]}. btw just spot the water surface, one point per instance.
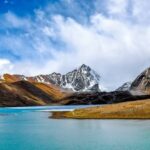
{"type": "Point", "coordinates": [31, 129]}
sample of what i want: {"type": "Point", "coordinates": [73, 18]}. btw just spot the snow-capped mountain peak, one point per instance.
{"type": "Point", "coordinates": [82, 79]}
{"type": "Point", "coordinates": [125, 87]}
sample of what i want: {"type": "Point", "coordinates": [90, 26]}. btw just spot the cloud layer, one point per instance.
{"type": "Point", "coordinates": [110, 36]}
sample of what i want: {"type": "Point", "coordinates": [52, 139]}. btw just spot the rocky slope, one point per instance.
{"type": "Point", "coordinates": [142, 82]}
{"type": "Point", "coordinates": [79, 80]}
{"type": "Point", "coordinates": [140, 86]}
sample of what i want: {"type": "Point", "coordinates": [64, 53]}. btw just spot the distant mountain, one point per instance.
{"type": "Point", "coordinates": [142, 82]}
{"type": "Point", "coordinates": [140, 86]}
{"type": "Point", "coordinates": [125, 87]}
{"type": "Point", "coordinates": [81, 79]}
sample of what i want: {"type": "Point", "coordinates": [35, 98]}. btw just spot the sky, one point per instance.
{"type": "Point", "coordinates": [45, 36]}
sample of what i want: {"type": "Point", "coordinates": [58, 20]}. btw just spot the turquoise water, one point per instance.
{"type": "Point", "coordinates": [31, 129]}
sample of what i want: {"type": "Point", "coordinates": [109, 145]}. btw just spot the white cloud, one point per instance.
{"type": "Point", "coordinates": [141, 10]}
{"type": "Point", "coordinates": [115, 45]}
{"type": "Point", "coordinates": [5, 64]}
{"type": "Point", "coordinates": [16, 22]}
{"type": "Point", "coordinates": [117, 7]}
{"type": "Point", "coordinates": [116, 49]}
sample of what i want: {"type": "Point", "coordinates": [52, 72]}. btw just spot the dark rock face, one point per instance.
{"type": "Point", "coordinates": [103, 98]}
{"type": "Point", "coordinates": [142, 82]}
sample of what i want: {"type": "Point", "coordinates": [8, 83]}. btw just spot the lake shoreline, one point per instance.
{"type": "Point", "coordinates": [127, 110]}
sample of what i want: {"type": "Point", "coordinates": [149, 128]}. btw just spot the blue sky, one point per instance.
{"type": "Point", "coordinates": [22, 7]}
{"type": "Point", "coordinates": [42, 36]}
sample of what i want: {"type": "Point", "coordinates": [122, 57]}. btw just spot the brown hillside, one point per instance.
{"type": "Point", "coordinates": [23, 93]}
{"type": "Point", "coordinates": [55, 92]}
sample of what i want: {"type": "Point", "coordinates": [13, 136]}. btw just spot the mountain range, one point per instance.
{"type": "Point", "coordinates": [79, 80]}
{"type": "Point", "coordinates": [80, 86]}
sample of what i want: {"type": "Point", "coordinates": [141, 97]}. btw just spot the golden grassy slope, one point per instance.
{"type": "Point", "coordinates": [22, 93]}
{"type": "Point", "coordinates": [52, 90]}
{"type": "Point", "coordinates": [10, 96]}
{"type": "Point", "coordinates": [127, 110]}
{"type": "Point", "coordinates": [10, 78]}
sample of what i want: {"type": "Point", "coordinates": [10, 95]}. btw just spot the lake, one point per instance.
{"type": "Point", "coordinates": [29, 128]}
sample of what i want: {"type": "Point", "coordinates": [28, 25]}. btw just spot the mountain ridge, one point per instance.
{"type": "Point", "coordinates": [81, 79]}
